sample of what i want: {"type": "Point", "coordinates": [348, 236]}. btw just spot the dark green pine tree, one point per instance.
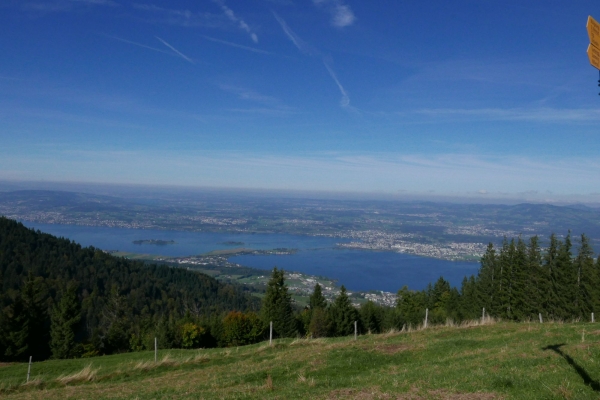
{"type": "Point", "coordinates": [15, 331]}
{"type": "Point", "coordinates": [65, 317]}
{"type": "Point", "coordinates": [538, 279]}
{"type": "Point", "coordinates": [342, 314]}
{"type": "Point", "coordinates": [586, 294]}
{"type": "Point", "coordinates": [566, 281]}
{"type": "Point", "coordinates": [440, 301]}
{"type": "Point", "coordinates": [372, 317]}
{"type": "Point", "coordinates": [277, 306]}
{"type": "Point", "coordinates": [551, 300]}
{"type": "Point", "coordinates": [469, 306]}
{"type": "Point", "coordinates": [487, 281]}
{"type": "Point", "coordinates": [520, 282]}
{"type": "Point", "coordinates": [410, 307]}
{"type": "Point", "coordinates": [317, 300]}
{"type": "Point", "coordinates": [503, 298]}
{"type": "Point", "coordinates": [26, 330]}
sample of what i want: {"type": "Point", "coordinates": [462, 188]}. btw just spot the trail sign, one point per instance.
{"type": "Point", "coordinates": [593, 28]}
{"type": "Point", "coordinates": [594, 54]}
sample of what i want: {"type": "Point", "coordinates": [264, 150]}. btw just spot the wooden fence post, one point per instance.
{"type": "Point", "coordinates": [355, 331]}
{"type": "Point", "coordinates": [271, 333]}
{"type": "Point", "coordinates": [483, 316]}
{"type": "Point", "coordinates": [592, 317]}
{"type": "Point", "coordinates": [29, 368]}
{"type": "Point", "coordinates": [541, 320]}
{"type": "Point", "coordinates": [426, 316]}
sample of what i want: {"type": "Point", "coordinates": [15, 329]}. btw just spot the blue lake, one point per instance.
{"type": "Point", "coordinates": [356, 269]}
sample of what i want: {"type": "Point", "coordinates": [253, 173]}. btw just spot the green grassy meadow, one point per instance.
{"type": "Point", "coordinates": [493, 361]}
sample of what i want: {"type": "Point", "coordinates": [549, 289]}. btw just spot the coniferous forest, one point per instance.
{"type": "Point", "coordinates": [61, 300]}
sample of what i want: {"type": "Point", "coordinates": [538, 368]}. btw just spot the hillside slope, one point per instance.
{"type": "Point", "coordinates": [116, 297]}
{"type": "Point", "coordinates": [495, 361]}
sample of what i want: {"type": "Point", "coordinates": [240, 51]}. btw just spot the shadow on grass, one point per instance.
{"type": "Point", "coordinates": [587, 379]}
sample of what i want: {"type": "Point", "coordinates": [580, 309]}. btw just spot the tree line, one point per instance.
{"type": "Point", "coordinates": [61, 300]}
{"type": "Point", "coordinates": [516, 282]}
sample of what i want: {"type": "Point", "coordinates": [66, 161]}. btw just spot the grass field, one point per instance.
{"type": "Point", "coordinates": [493, 361]}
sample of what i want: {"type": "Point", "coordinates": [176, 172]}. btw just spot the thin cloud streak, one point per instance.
{"type": "Point", "coordinates": [231, 15]}
{"type": "Point", "coordinates": [299, 43]}
{"type": "Point", "coordinates": [310, 51]}
{"type": "Point", "coordinates": [345, 101]}
{"type": "Point", "coordinates": [137, 44]}
{"type": "Point", "coordinates": [176, 51]}
{"type": "Point", "coordinates": [516, 114]}
{"type": "Point", "coordinates": [247, 94]}
{"type": "Point", "coordinates": [239, 46]}
{"type": "Point", "coordinates": [97, 2]}
{"type": "Point", "coordinates": [184, 18]}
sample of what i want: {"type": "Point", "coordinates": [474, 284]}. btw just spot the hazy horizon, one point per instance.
{"type": "Point", "coordinates": [112, 189]}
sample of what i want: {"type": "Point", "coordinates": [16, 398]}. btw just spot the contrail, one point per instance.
{"type": "Point", "coordinates": [310, 51]}
{"type": "Point", "coordinates": [137, 44]}
{"type": "Point", "coordinates": [176, 51]}
{"type": "Point", "coordinates": [299, 43]}
{"type": "Point", "coordinates": [345, 101]}
{"type": "Point", "coordinates": [240, 46]}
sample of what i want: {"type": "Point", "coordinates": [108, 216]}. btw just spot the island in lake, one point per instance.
{"type": "Point", "coordinates": [156, 242]}
{"type": "Point", "coordinates": [233, 243]}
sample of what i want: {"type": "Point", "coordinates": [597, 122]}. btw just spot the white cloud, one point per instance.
{"type": "Point", "coordinates": [341, 14]}
{"type": "Point", "coordinates": [241, 23]}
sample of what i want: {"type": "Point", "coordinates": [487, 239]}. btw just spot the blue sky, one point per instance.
{"type": "Point", "coordinates": [466, 98]}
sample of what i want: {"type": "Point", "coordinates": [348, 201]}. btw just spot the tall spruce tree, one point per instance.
{"type": "Point", "coordinates": [25, 330]}
{"type": "Point", "coordinates": [520, 282]}
{"type": "Point", "coordinates": [342, 314]}
{"type": "Point", "coordinates": [504, 294]}
{"type": "Point", "coordinates": [487, 280]}
{"type": "Point", "coordinates": [277, 306]}
{"type": "Point", "coordinates": [65, 317]}
{"type": "Point", "coordinates": [316, 299]}
{"type": "Point", "coordinates": [537, 278]}
{"type": "Point", "coordinates": [469, 307]}
{"type": "Point", "coordinates": [586, 294]}
{"type": "Point", "coordinates": [566, 281]}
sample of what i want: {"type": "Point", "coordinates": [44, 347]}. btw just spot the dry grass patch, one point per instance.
{"type": "Point", "coordinates": [34, 383]}
{"type": "Point", "coordinates": [269, 383]}
{"type": "Point", "coordinates": [166, 361]}
{"type": "Point", "coordinates": [87, 374]}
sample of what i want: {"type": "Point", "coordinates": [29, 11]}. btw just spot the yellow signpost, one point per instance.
{"type": "Point", "coordinates": [593, 28]}
{"type": "Point", "coordinates": [593, 51]}
{"type": "Point", "coordinates": [594, 54]}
